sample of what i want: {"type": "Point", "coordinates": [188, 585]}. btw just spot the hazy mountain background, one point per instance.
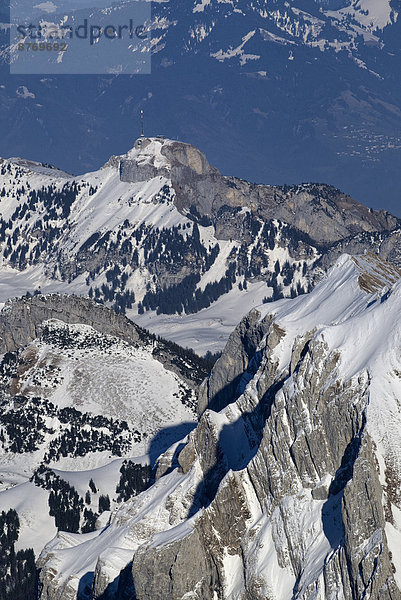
{"type": "Point", "coordinates": [274, 92]}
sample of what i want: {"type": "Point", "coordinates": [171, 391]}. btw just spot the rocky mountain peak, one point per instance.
{"type": "Point", "coordinates": [287, 488]}
{"type": "Point", "coordinates": [158, 156]}
{"type": "Point", "coordinates": [323, 212]}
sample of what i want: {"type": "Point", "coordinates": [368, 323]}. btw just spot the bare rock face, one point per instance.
{"type": "Point", "coordinates": [174, 570]}
{"type": "Point", "coordinates": [325, 214]}
{"type": "Point", "coordinates": [279, 492]}
{"type": "Point", "coordinates": [320, 211]}
{"type": "Point", "coordinates": [184, 157]}
{"type": "Point", "coordinates": [155, 157]}
{"type": "Point", "coordinates": [21, 320]}
{"type": "Point", "coordinates": [223, 383]}
{"type": "Point", "coordinates": [367, 553]}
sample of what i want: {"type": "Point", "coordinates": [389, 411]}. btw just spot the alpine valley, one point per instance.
{"type": "Point", "coordinates": [199, 385]}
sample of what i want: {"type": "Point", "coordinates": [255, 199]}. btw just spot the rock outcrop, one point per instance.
{"type": "Point", "coordinates": [234, 367]}
{"type": "Point", "coordinates": [20, 318]}
{"type": "Point", "coordinates": [157, 157]}
{"type": "Point", "coordinates": [322, 212]}
{"type": "Point", "coordinates": [284, 491]}
{"type": "Point", "coordinates": [21, 321]}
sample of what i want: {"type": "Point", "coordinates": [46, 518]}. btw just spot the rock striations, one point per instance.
{"type": "Point", "coordinates": [160, 235]}
{"type": "Point", "coordinates": [21, 321]}
{"type": "Point", "coordinates": [321, 211]}
{"type": "Point", "coordinates": [288, 488]}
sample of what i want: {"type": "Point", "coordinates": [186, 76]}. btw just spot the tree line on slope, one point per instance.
{"type": "Point", "coordinates": [17, 569]}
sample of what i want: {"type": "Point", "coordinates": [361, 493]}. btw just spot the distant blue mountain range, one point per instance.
{"type": "Point", "coordinates": [274, 92]}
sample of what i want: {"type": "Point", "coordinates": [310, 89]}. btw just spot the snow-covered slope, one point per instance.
{"type": "Point", "coordinates": [369, 14]}
{"type": "Point", "coordinates": [159, 234]}
{"type": "Point", "coordinates": [79, 405]}
{"type": "Point", "coordinates": [292, 489]}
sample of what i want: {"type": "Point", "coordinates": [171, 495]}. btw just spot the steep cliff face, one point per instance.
{"type": "Point", "coordinates": [153, 157]}
{"type": "Point", "coordinates": [291, 490]}
{"type": "Point", "coordinates": [227, 378]}
{"type": "Point", "coordinates": [321, 211]}
{"type": "Point", "coordinates": [161, 235]}
{"type": "Point", "coordinates": [21, 321]}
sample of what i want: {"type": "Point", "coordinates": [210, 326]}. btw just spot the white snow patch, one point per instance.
{"type": "Point", "coordinates": [200, 7]}
{"type": "Point", "coordinates": [23, 92]}
{"type": "Point", "coordinates": [48, 7]}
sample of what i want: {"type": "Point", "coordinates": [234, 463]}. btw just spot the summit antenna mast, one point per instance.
{"type": "Point", "coordinates": [142, 134]}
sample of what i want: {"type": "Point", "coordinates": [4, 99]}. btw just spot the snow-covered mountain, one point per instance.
{"type": "Point", "coordinates": [277, 92]}
{"type": "Point", "coordinates": [159, 234]}
{"type": "Point", "coordinates": [289, 485]}
{"type": "Point", "coordinates": [88, 401]}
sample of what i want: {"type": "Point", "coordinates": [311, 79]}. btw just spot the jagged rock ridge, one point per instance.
{"type": "Point", "coordinates": [290, 490]}
{"type": "Point", "coordinates": [321, 211]}
{"type": "Point", "coordinates": [159, 230]}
